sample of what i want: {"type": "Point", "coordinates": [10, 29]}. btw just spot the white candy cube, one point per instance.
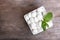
{"type": "Point", "coordinates": [34, 18]}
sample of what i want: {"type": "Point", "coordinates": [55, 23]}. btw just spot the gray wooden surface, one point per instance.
{"type": "Point", "coordinates": [13, 25]}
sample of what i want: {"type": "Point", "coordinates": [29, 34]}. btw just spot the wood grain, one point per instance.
{"type": "Point", "coordinates": [13, 25]}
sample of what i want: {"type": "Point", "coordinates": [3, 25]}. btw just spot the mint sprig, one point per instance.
{"type": "Point", "coordinates": [46, 18]}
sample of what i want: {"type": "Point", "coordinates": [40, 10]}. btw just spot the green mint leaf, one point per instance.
{"type": "Point", "coordinates": [48, 16]}
{"type": "Point", "coordinates": [44, 25]}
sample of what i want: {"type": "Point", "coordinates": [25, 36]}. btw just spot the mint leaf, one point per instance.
{"type": "Point", "coordinates": [48, 16]}
{"type": "Point", "coordinates": [44, 25]}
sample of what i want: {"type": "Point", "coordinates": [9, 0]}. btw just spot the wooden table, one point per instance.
{"type": "Point", "coordinates": [13, 25]}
